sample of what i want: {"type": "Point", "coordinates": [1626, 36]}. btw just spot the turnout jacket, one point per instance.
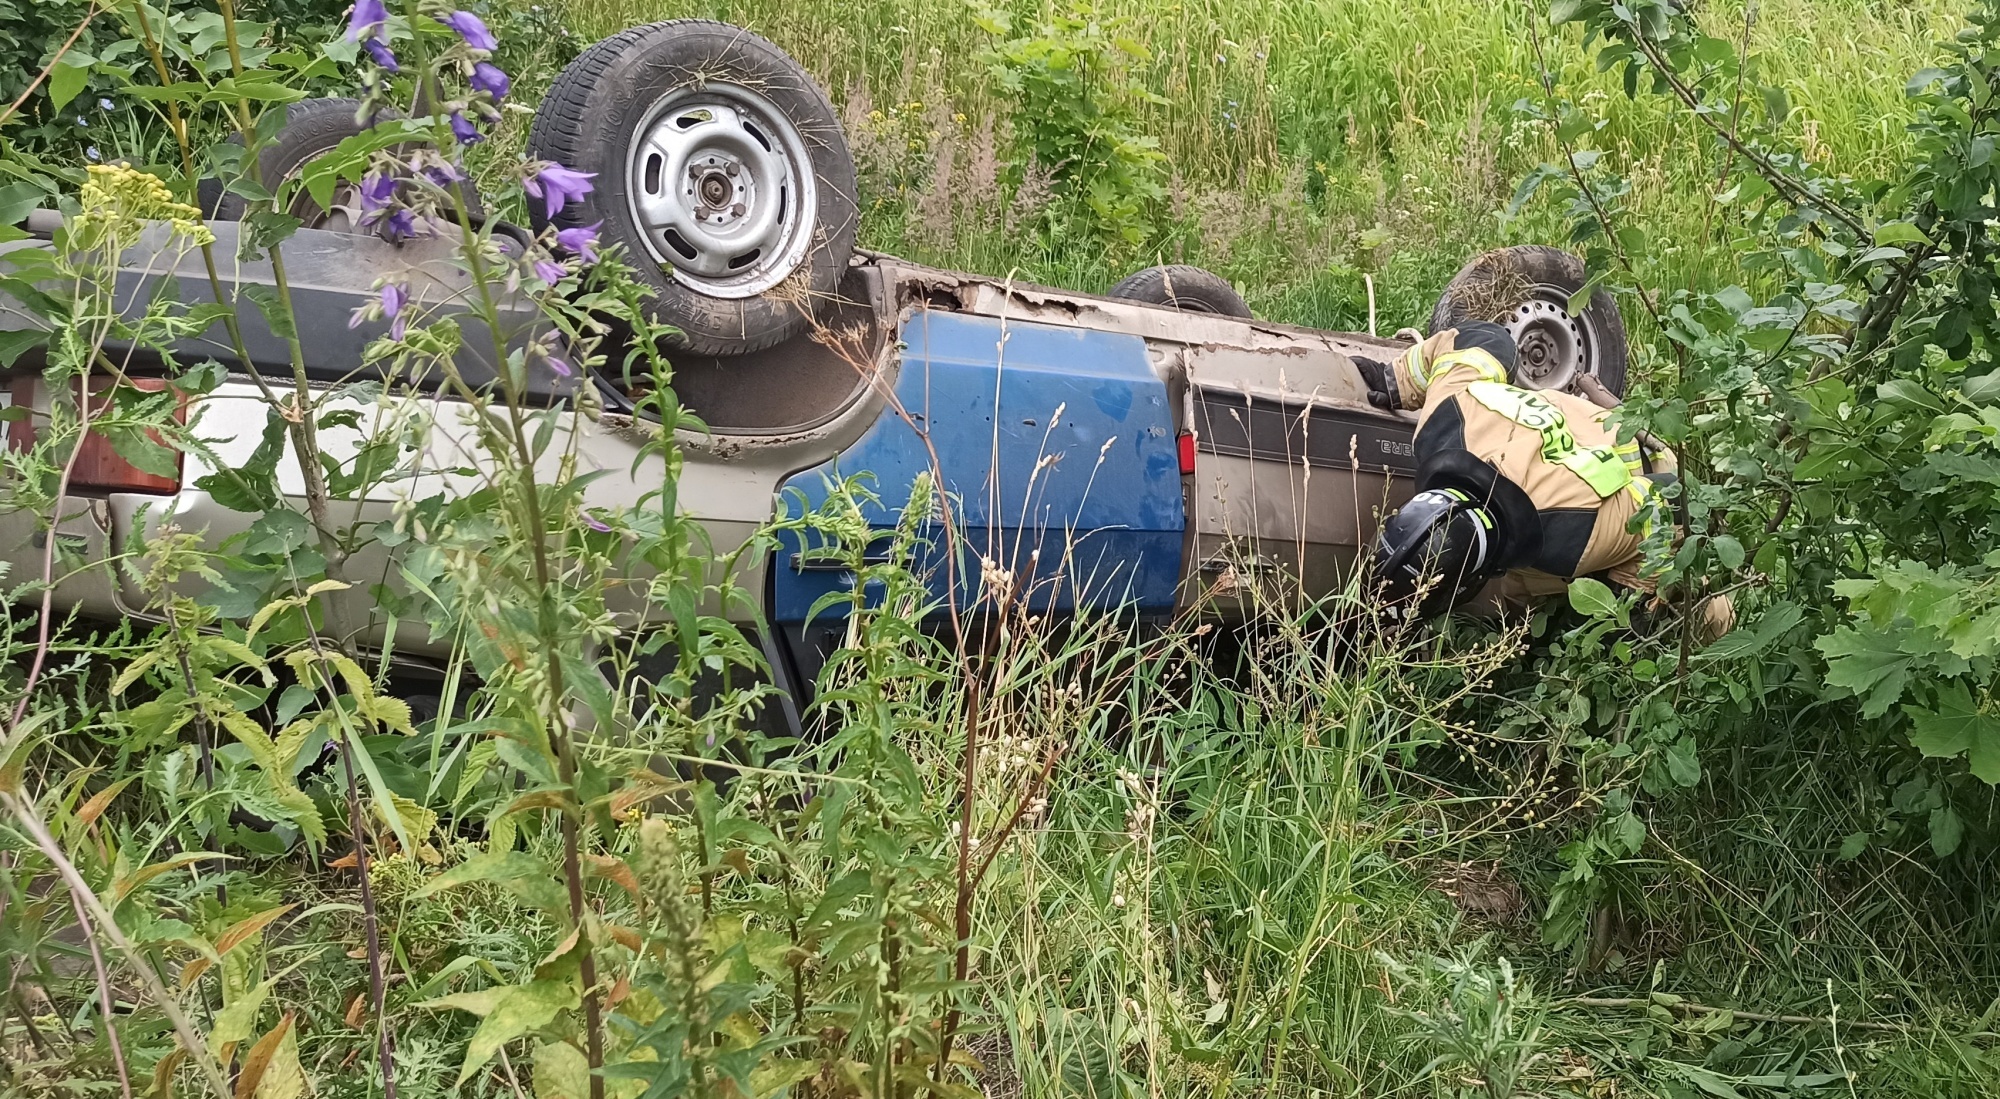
{"type": "Point", "coordinates": [1570, 499]}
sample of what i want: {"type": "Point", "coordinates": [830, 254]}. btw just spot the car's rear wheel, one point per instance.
{"type": "Point", "coordinates": [312, 129]}
{"type": "Point", "coordinates": [1527, 290]}
{"type": "Point", "coordinates": [720, 167]}
{"type": "Point", "coordinates": [1183, 287]}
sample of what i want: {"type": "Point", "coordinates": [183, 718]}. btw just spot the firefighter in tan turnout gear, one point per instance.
{"type": "Point", "coordinates": [1532, 485]}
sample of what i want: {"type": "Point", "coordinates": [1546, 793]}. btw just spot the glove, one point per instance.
{"type": "Point", "coordinates": [1412, 370]}
{"type": "Point", "coordinates": [1381, 379]}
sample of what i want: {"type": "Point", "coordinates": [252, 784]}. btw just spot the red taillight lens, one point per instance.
{"type": "Point", "coordinates": [98, 466]}
{"type": "Point", "coordinates": [1187, 453]}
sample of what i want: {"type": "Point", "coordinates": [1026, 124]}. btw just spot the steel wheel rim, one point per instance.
{"type": "Point", "coordinates": [1554, 346]}
{"type": "Point", "coordinates": [721, 190]}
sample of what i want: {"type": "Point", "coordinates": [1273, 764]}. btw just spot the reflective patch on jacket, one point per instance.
{"type": "Point", "coordinates": [1601, 468]}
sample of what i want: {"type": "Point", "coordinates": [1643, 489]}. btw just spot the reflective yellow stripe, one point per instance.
{"type": "Point", "coordinates": [1635, 462]}
{"type": "Point", "coordinates": [1489, 368]}
{"type": "Point", "coordinates": [1601, 469]}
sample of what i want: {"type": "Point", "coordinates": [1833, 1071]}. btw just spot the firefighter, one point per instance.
{"type": "Point", "coordinates": [1531, 486]}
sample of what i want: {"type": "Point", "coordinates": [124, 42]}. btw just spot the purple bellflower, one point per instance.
{"type": "Point", "coordinates": [376, 191]}
{"type": "Point", "coordinates": [471, 28]}
{"type": "Point", "coordinates": [394, 297]}
{"type": "Point", "coordinates": [367, 21]}
{"type": "Point", "coordinates": [491, 79]}
{"type": "Point", "coordinates": [580, 241]}
{"type": "Point", "coordinates": [463, 129]}
{"type": "Point", "coordinates": [550, 271]}
{"type": "Point", "coordinates": [383, 58]}
{"type": "Point", "coordinates": [558, 186]}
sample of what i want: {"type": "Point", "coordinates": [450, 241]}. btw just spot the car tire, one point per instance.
{"type": "Point", "coordinates": [313, 128]}
{"type": "Point", "coordinates": [1183, 287]}
{"type": "Point", "coordinates": [1527, 289]}
{"type": "Point", "coordinates": [721, 172]}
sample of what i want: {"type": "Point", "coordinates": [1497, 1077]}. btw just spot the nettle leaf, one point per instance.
{"type": "Point", "coordinates": [1957, 726]}
{"type": "Point", "coordinates": [507, 1014]}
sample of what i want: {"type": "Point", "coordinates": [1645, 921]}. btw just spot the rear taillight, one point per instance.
{"type": "Point", "coordinates": [1186, 442]}
{"type": "Point", "coordinates": [98, 467]}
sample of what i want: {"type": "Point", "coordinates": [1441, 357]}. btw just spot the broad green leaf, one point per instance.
{"type": "Point", "coordinates": [236, 1023]}
{"type": "Point", "coordinates": [1728, 551]}
{"type": "Point", "coordinates": [1899, 232]}
{"type": "Point", "coordinates": [16, 199]}
{"type": "Point", "coordinates": [518, 872]}
{"type": "Point", "coordinates": [507, 1014]}
{"type": "Point", "coordinates": [253, 486]}
{"type": "Point", "coordinates": [1982, 388]}
{"type": "Point", "coordinates": [1903, 391]}
{"type": "Point", "coordinates": [1852, 846]}
{"type": "Point", "coordinates": [278, 533]}
{"type": "Point", "coordinates": [1947, 831]}
{"type": "Point", "coordinates": [66, 80]}
{"type": "Point", "coordinates": [1683, 765]}
{"type": "Point", "coordinates": [1592, 598]}
{"type": "Point", "coordinates": [16, 343]}
{"type": "Point", "coordinates": [562, 1072]}
{"type": "Point", "coordinates": [1868, 664]}
{"type": "Point", "coordinates": [1958, 726]}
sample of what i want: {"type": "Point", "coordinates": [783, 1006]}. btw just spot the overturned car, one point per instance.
{"type": "Point", "coordinates": [1158, 449]}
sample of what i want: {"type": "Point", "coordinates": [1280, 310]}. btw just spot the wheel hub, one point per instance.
{"type": "Point", "coordinates": [1554, 347]}
{"type": "Point", "coordinates": [722, 190]}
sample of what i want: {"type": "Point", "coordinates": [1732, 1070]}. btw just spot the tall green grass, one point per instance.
{"type": "Point", "coordinates": [1313, 142]}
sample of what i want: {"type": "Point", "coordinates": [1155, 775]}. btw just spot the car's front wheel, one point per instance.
{"type": "Point", "coordinates": [720, 167]}
{"type": "Point", "coordinates": [1527, 290]}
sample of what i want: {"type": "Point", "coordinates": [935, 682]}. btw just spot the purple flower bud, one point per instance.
{"type": "Point", "coordinates": [491, 79]}
{"type": "Point", "coordinates": [463, 129]}
{"type": "Point", "coordinates": [549, 271]}
{"type": "Point", "coordinates": [594, 523]}
{"type": "Point", "coordinates": [382, 56]}
{"type": "Point", "coordinates": [558, 186]}
{"type": "Point", "coordinates": [471, 28]}
{"type": "Point", "coordinates": [367, 20]}
{"type": "Point", "coordinates": [402, 225]}
{"type": "Point", "coordinates": [562, 368]}
{"type": "Point", "coordinates": [581, 241]}
{"type": "Point", "coordinates": [444, 175]}
{"type": "Point", "coordinates": [394, 297]}
{"type": "Point", "coordinates": [376, 191]}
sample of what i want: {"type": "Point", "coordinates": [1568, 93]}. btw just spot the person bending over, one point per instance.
{"type": "Point", "coordinates": [1528, 485]}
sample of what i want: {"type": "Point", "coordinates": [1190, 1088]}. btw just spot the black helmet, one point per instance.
{"type": "Point", "coordinates": [1443, 544]}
